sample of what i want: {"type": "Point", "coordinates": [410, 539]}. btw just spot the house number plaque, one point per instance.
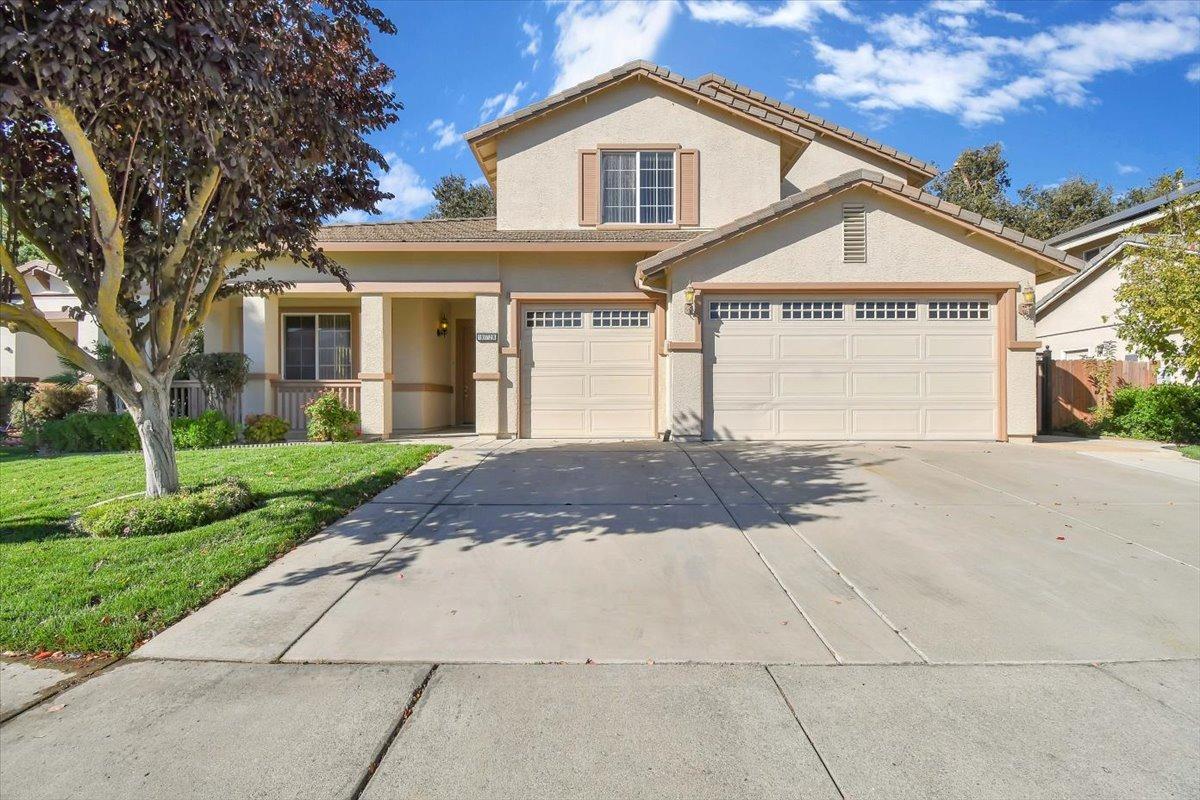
{"type": "Point", "coordinates": [486, 338]}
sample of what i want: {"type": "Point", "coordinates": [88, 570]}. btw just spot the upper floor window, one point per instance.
{"type": "Point", "coordinates": [638, 187]}
{"type": "Point", "coordinates": [316, 347]}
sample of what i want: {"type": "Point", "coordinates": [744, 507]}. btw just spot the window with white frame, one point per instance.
{"type": "Point", "coordinates": [885, 309]}
{"type": "Point", "coordinates": [620, 318]}
{"type": "Point", "coordinates": [959, 309]}
{"type": "Point", "coordinates": [739, 309]}
{"type": "Point", "coordinates": [554, 319]}
{"type": "Point", "coordinates": [814, 309]}
{"type": "Point", "coordinates": [637, 187]}
{"type": "Point", "coordinates": [317, 347]}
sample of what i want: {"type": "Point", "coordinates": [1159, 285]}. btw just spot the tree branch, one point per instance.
{"type": "Point", "coordinates": [109, 235]}
{"type": "Point", "coordinates": [10, 269]}
{"type": "Point", "coordinates": [165, 323]}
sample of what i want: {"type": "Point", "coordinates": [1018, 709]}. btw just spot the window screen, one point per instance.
{"type": "Point", "coordinates": [618, 187]}
{"type": "Point", "coordinates": [638, 186]}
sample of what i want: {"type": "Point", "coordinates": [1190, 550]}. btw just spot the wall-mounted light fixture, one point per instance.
{"type": "Point", "coordinates": [689, 301]}
{"type": "Point", "coordinates": [443, 326]}
{"type": "Point", "coordinates": [1028, 303]}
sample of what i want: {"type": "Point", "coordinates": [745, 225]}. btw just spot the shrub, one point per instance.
{"type": "Point", "coordinates": [91, 433]}
{"type": "Point", "coordinates": [210, 429]}
{"type": "Point", "coordinates": [1167, 412]}
{"type": "Point", "coordinates": [176, 512]}
{"type": "Point", "coordinates": [57, 401]}
{"type": "Point", "coordinates": [329, 420]}
{"type": "Point", "coordinates": [266, 428]}
{"type": "Point", "coordinates": [222, 376]}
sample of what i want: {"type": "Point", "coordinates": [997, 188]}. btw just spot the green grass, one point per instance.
{"type": "Point", "coordinates": [1191, 451]}
{"type": "Point", "coordinates": [63, 591]}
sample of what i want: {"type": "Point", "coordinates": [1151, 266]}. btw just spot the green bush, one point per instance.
{"type": "Point", "coordinates": [1166, 412]}
{"type": "Point", "coordinates": [329, 420]}
{"type": "Point", "coordinates": [210, 429]}
{"type": "Point", "coordinates": [177, 512]}
{"type": "Point", "coordinates": [91, 433]}
{"type": "Point", "coordinates": [57, 401]}
{"type": "Point", "coordinates": [266, 428]}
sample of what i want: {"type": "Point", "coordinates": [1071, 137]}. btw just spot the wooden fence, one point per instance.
{"type": "Point", "coordinates": [1067, 392]}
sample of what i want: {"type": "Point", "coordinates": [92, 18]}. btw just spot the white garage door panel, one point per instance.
{"type": "Point", "coordinates": [785, 377]}
{"type": "Point", "coordinates": [580, 379]}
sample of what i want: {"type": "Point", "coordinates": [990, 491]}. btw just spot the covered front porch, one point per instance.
{"type": "Point", "coordinates": [403, 355]}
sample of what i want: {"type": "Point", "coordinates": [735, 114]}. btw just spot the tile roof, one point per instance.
{"type": "Point", "coordinates": [1128, 214]}
{"type": "Point", "coordinates": [483, 229]}
{"type": "Point", "coordinates": [712, 79]}
{"type": "Point", "coordinates": [625, 70]}
{"type": "Point", "coordinates": [857, 177]}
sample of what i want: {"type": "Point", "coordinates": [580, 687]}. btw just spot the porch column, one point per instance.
{"type": "Point", "coordinates": [487, 365]}
{"type": "Point", "coordinates": [375, 323]}
{"type": "Point", "coordinates": [260, 341]}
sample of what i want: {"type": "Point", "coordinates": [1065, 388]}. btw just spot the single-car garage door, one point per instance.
{"type": "Point", "coordinates": [850, 368]}
{"type": "Point", "coordinates": [587, 371]}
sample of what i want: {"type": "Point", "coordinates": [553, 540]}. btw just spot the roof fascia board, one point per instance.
{"type": "Point", "coordinates": [1109, 231]}
{"type": "Point", "coordinates": [494, 247]}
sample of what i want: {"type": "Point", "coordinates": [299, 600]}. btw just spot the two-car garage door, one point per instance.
{"type": "Point", "coordinates": [850, 368]}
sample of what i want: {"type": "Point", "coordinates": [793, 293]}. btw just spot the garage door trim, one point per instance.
{"type": "Point", "coordinates": [520, 301]}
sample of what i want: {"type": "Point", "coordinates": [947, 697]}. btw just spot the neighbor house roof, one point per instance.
{"type": "Point", "coordinates": [1094, 267]}
{"type": "Point", "coordinates": [1127, 215]}
{"type": "Point", "coordinates": [1057, 259]}
{"type": "Point", "coordinates": [462, 233]}
{"type": "Point", "coordinates": [480, 136]}
{"type": "Point", "coordinates": [926, 169]}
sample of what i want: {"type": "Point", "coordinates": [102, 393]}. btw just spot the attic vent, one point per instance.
{"type": "Point", "coordinates": [854, 232]}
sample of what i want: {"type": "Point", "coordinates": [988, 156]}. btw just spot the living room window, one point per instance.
{"type": "Point", "coordinates": [638, 187]}
{"type": "Point", "coordinates": [317, 347]}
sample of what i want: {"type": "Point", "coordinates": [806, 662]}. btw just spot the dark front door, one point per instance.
{"type": "Point", "coordinates": [464, 383]}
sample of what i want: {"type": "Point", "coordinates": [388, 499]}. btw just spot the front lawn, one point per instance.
{"type": "Point", "coordinates": [1191, 451]}
{"type": "Point", "coordinates": [63, 591]}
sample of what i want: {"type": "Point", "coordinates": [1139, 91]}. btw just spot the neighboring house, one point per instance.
{"type": "Point", "coordinates": [1078, 313]}
{"type": "Point", "coordinates": [25, 357]}
{"type": "Point", "coordinates": [668, 256]}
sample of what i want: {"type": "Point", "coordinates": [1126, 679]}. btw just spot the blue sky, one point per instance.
{"type": "Point", "coordinates": [1106, 90]}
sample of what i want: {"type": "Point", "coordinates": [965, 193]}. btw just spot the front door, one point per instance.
{"type": "Point", "coordinates": [464, 382]}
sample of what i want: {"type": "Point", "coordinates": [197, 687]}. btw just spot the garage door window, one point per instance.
{"type": "Point", "coordinates": [814, 309]}
{"type": "Point", "coordinates": [620, 318]}
{"type": "Point", "coordinates": [885, 309]}
{"type": "Point", "coordinates": [739, 309]}
{"type": "Point", "coordinates": [553, 319]}
{"type": "Point", "coordinates": [958, 309]}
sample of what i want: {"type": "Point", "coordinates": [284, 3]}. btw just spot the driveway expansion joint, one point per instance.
{"type": "Point", "coordinates": [788, 702]}
{"type": "Point", "coordinates": [388, 740]}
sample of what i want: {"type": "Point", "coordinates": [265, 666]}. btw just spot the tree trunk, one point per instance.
{"type": "Point", "coordinates": [153, 419]}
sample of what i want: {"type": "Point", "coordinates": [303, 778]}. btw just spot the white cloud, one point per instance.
{"type": "Point", "coordinates": [1126, 169]}
{"type": "Point", "coordinates": [408, 190]}
{"type": "Point", "coordinates": [445, 132]}
{"type": "Point", "coordinates": [963, 8]}
{"type": "Point", "coordinates": [500, 104]}
{"type": "Point", "coordinates": [979, 78]}
{"type": "Point", "coordinates": [597, 35]}
{"type": "Point", "coordinates": [533, 42]}
{"type": "Point", "coordinates": [1193, 73]}
{"type": "Point", "coordinates": [797, 15]}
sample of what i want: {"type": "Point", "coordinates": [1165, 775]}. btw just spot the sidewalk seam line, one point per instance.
{"type": "Point", "coordinates": [807, 735]}
{"type": "Point", "coordinates": [390, 739]}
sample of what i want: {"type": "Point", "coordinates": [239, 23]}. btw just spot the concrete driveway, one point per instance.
{"type": "Point", "coordinates": [647, 619]}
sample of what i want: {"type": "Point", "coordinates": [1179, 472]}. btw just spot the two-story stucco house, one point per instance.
{"type": "Point", "coordinates": [1077, 314]}
{"type": "Point", "coordinates": [669, 256]}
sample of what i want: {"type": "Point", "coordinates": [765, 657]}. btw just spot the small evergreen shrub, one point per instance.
{"type": "Point", "coordinates": [329, 420]}
{"type": "Point", "coordinates": [57, 401]}
{"type": "Point", "coordinates": [210, 429]}
{"type": "Point", "coordinates": [1166, 412]}
{"type": "Point", "coordinates": [189, 508]}
{"type": "Point", "coordinates": [91, 433]}
{"type": "Point", "coordinates": [266, 428]}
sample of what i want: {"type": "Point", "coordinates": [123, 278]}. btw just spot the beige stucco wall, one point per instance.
{"type": "Point", "coordinates": [826, 158]}
{"type": "Point", "coordinates": [24, 355]}
{"type": "Point", "coordinates": [537, 172]}
{"type": "Point", "coordinates": [904, 244]}
{"type": "Point", "coordinates": [1086, 317]}
{"type": "Point", "coordinates": [420, 356]}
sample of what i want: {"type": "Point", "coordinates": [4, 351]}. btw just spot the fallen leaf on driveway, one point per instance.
{"type": "Point", "coordinates": [1061, 538]}
{"type": "Point", "coordinates": [58, 707]}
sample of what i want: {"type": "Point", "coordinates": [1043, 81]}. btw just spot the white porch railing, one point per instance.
{"type": "Point", "coordinates": [292, 396]}
{"type": "Point", "coordinates": [187, 400]}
